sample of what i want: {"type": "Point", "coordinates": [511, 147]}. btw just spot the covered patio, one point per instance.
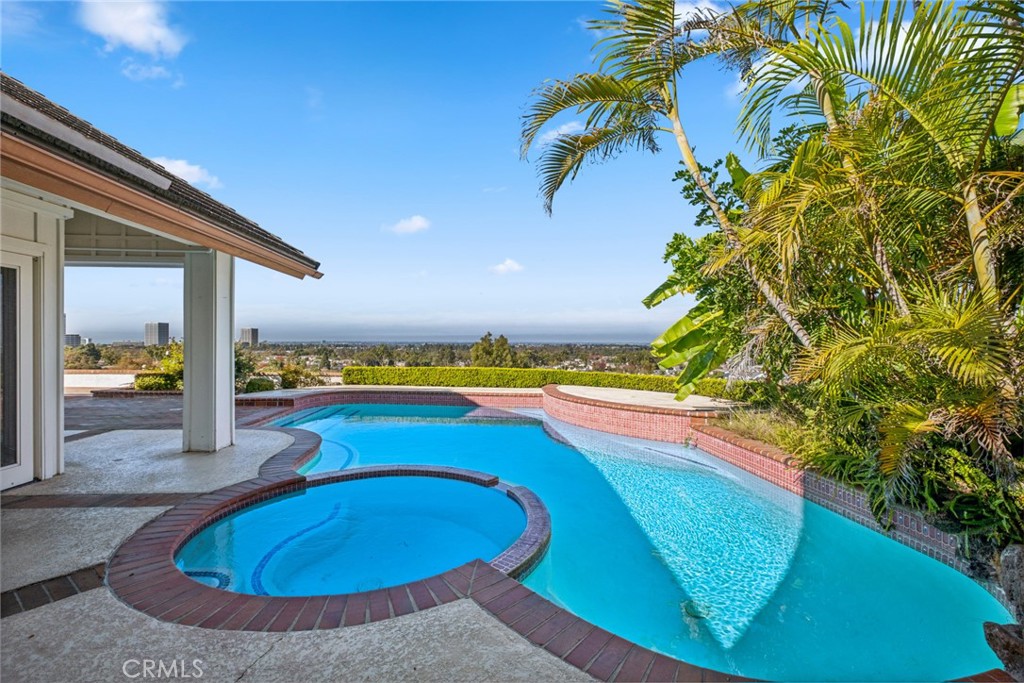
{"type": "Point", "coordinates": [73, 195]}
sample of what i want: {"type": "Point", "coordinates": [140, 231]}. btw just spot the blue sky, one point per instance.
{"type": "Point", "coordinates": [382, 139]}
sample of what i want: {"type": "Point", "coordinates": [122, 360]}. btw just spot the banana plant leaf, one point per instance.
{"type": "Point", "coordinates": [687, 332]}
{"type": "Point", "coordinates": [738, 174]}
{"type": "Point", "coordinates": [709, 358]}
{"type": "Point", "coordinates": [669, 288]}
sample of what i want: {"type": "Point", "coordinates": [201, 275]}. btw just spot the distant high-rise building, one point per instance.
{"type": "Point", "coordinates": [250, 336]}
{"type": "Point", "coordinates": [158, 334]}
{"type": "Point", "coordinates": [72, 340]}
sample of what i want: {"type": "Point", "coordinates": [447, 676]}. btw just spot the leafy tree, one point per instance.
{"type": "Point", "coordinates": [85, 357]}
{"type": "Point", "coordinates": [493, 353]}
{"type": "Point", "coordinates": [245, 367]}
{"type": "Point", "coordinates": [296, 376]}
{"type": "Point", "coordinates": [502, 355]}
{"type": "Point", "coordinates": [481, 354]}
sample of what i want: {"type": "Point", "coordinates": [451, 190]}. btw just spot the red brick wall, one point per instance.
{"type": "Point", "coordinates": [657, 424]}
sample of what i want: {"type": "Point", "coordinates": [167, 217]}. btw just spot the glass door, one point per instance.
{"type": "Point", "coordinates": [16, 362]}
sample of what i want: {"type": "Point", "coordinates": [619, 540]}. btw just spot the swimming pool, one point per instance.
{"type": "Point", "coordinates": [678, 551]}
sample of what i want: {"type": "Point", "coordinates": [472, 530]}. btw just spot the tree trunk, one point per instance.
{"type": "Point", "coordinates": [892, 290]}
{"type": "Point", "coordinates": [981, 250]}
{"type": "Point", "coordinates": [774, 300]}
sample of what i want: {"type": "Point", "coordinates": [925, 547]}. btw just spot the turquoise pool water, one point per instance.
{"type": "Point", "coordinates": [673, 549]}
{"type": "Point", "coordinates": [353, 536]}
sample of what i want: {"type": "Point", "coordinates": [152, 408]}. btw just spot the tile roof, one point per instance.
{"type": "Point", "coordinates": [179, 193]}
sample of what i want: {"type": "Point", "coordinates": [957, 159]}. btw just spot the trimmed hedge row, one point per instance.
{"type": "Point", "coordinates": [518, 378]}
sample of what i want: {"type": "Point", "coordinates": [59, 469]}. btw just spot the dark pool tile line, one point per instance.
{"type": "Point", "coordinates": [40, 593]}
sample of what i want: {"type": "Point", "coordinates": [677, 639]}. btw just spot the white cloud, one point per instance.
{"type": "Point", "coordinates": [736, 88]}
{"type": "Point", "coordinates": [551, 135]}
{"type": "Point", "coordinates": [505, 267]}
{"type": "Point", "coordinates": [408, 225]}
{"type": "Point", "coordinates": [685, 9]}
{"type": "Point", "coordinates": [18, 19]}
{"type": "Point", "coordinates": [141, 26]}
{"type": "Point", "coordinates": [190, 173]}
{"type": "Point", "coordinates": [143, 72]}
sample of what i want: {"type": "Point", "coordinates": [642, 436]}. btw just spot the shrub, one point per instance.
{"type": "Point", "coordinates": [518, 378]}
{"type": "Point", "coordinates": [296, 376]}
{"type": "Point", "coordinates": [259, 384]}
{"type": "Point", "coordinates": [757, 393]}
{"type": "Point", "coordinates": [158, 381]}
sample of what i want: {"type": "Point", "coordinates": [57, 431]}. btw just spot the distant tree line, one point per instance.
{"type": "Point", "coordinates": [489, 351]}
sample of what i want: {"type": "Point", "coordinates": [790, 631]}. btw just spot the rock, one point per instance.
{"type": "Point", "coordinates": [1011, 576]}
{"type": "Point", "coordinates": [1007, 641]}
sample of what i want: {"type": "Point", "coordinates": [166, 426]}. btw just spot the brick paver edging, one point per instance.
{"type": "Point", "coordinates": [142, 572]}
{"type": "Point", "coordinates": [40, 593]}
{"type": "Point", "coordinates": [133, 393]}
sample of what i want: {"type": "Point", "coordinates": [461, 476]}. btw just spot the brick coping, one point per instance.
{"type": "Point", "coordinates": [142, 572]}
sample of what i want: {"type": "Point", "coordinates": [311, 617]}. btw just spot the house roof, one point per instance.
{"type": "Point", "coordinates": [29, 116]}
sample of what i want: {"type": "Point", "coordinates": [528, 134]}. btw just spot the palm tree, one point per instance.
{"type": "Point", "coordinates": [630, 101]}
{"type": "Point", "coordinates": [949, 70]}
{"type": "Point", "coordinates": [922, 101]}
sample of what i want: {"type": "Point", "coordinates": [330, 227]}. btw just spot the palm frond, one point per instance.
{"type": "Point", "coordinates": [564, 157]}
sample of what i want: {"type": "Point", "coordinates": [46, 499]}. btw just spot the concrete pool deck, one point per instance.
{"type": "Point", "coordinates": [454, 642]}
{"type": "Point", "coordinates": [77, 520]}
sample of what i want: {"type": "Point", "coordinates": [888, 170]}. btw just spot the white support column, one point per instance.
{"type": "Point", "coordinates": [50, 332]}
{"type": "Point", "coordinates": [209, 411]}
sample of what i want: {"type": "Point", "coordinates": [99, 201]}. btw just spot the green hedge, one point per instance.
{"type": "Point", "coordinates": [736, 390]}
{"type": "Point", "coordinates": [758, 393]}
{"type": "Point", "coordinates": [517, 378]}
{"type": "Point", "coordinates": [158, 381]}
{"type": "Point", "coordinates": [259, 384]}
